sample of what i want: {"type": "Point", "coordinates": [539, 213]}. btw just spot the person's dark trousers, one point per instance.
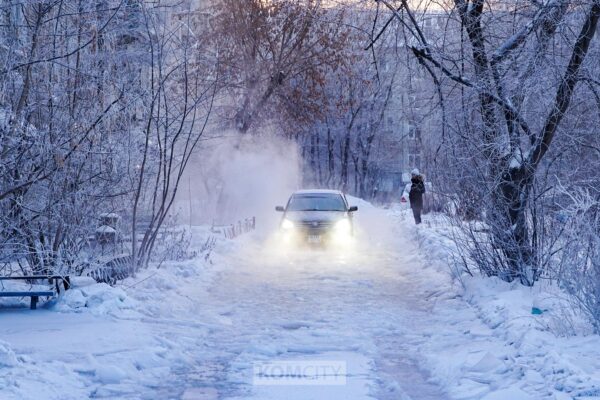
{"type": "Point", "coordinates": [417, 214]}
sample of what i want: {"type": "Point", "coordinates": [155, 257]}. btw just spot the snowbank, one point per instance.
{"type": "Point", "coordinates": [534, 346]}
{"type": "Point", "coordinates": [7, 356]}
{"type": "Point", "coordinates": [99, 298]}
{"type": "Point", "coordinates": [139, 295]}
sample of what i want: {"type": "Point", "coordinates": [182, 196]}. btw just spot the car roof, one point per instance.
{"type": "Point", "coordinates": [318, 191]}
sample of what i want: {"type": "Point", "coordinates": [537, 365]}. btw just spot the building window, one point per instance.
{"type": "Point", "coordinates": [414, 161]}
{"type": "Point", "coordinates": [414, 132]}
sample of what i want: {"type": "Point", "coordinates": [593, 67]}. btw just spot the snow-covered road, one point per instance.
{"type": "Point", "coordinates": [196, 329]}
{"type": "Point", "coordinates": [353, 306]}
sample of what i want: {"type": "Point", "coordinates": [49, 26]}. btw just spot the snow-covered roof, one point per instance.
{"type": "Point", "coordinates": [110, 215]}
{"type": "Point", "coordinates": [317, 191]}
{"type": "Point", "coordinates": [105, 229]}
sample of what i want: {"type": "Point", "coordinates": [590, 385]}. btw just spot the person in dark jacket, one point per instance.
{"type": "Point", "coordinates": [417, 189]}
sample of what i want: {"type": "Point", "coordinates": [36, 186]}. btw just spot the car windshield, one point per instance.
{"type": "Point", "coordinates": [317, 202]}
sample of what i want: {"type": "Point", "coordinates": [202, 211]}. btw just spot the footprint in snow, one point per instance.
{"type": "Point", "coordinates": [294, 325]}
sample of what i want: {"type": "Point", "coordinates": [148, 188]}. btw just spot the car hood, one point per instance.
{"type": "Point", "coordinates": [327, 216]}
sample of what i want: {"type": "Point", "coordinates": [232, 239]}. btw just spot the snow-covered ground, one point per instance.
{"type": "Point", "coordinates": [387, 308]}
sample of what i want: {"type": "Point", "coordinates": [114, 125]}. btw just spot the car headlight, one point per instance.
{"type": "Point", "coordinates": [343, 226]}
{"type": "Point", "coordinates": [286, 224]}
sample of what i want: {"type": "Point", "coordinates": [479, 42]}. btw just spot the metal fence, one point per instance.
{"type": "Point", "coordinates": [231, 231]}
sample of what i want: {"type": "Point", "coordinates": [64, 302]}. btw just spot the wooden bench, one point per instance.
{"type": "Point", "coordinates": [36, 294]}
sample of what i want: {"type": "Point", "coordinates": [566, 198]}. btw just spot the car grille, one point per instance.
{"type": "Point", "coordinates": [315, 225]}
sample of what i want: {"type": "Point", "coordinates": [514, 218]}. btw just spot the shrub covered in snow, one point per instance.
{"type": "Point", "coordinates": [579, 260]}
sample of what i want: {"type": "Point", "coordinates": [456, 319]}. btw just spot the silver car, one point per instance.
{"type": "Point", "coordinates": [317, 217]}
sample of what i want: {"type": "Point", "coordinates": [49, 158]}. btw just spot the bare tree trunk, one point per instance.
{"type": "Point", "coordinates": [345, 151]}
{"type": "Point", "coordinates": [516, 185]}
{"type": "Point", "coordinates": [319, 164]}
{"type": "Point", "coordinates": [330, 156]}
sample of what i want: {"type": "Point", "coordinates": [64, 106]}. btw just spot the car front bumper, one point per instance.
{"type": "Point", "coordinates": [316, 236]}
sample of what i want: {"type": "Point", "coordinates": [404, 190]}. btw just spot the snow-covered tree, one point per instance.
{"type": "Point", "coordinates": [514, 68]}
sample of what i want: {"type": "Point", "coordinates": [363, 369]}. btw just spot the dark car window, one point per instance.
{"type": "Point", "coordinates": [316, 202]}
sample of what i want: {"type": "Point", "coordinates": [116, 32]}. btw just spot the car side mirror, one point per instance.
{"type": "Point", "coordinates": [279, 209]}
{"type": "Point", "coordinates": [353, 209]}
